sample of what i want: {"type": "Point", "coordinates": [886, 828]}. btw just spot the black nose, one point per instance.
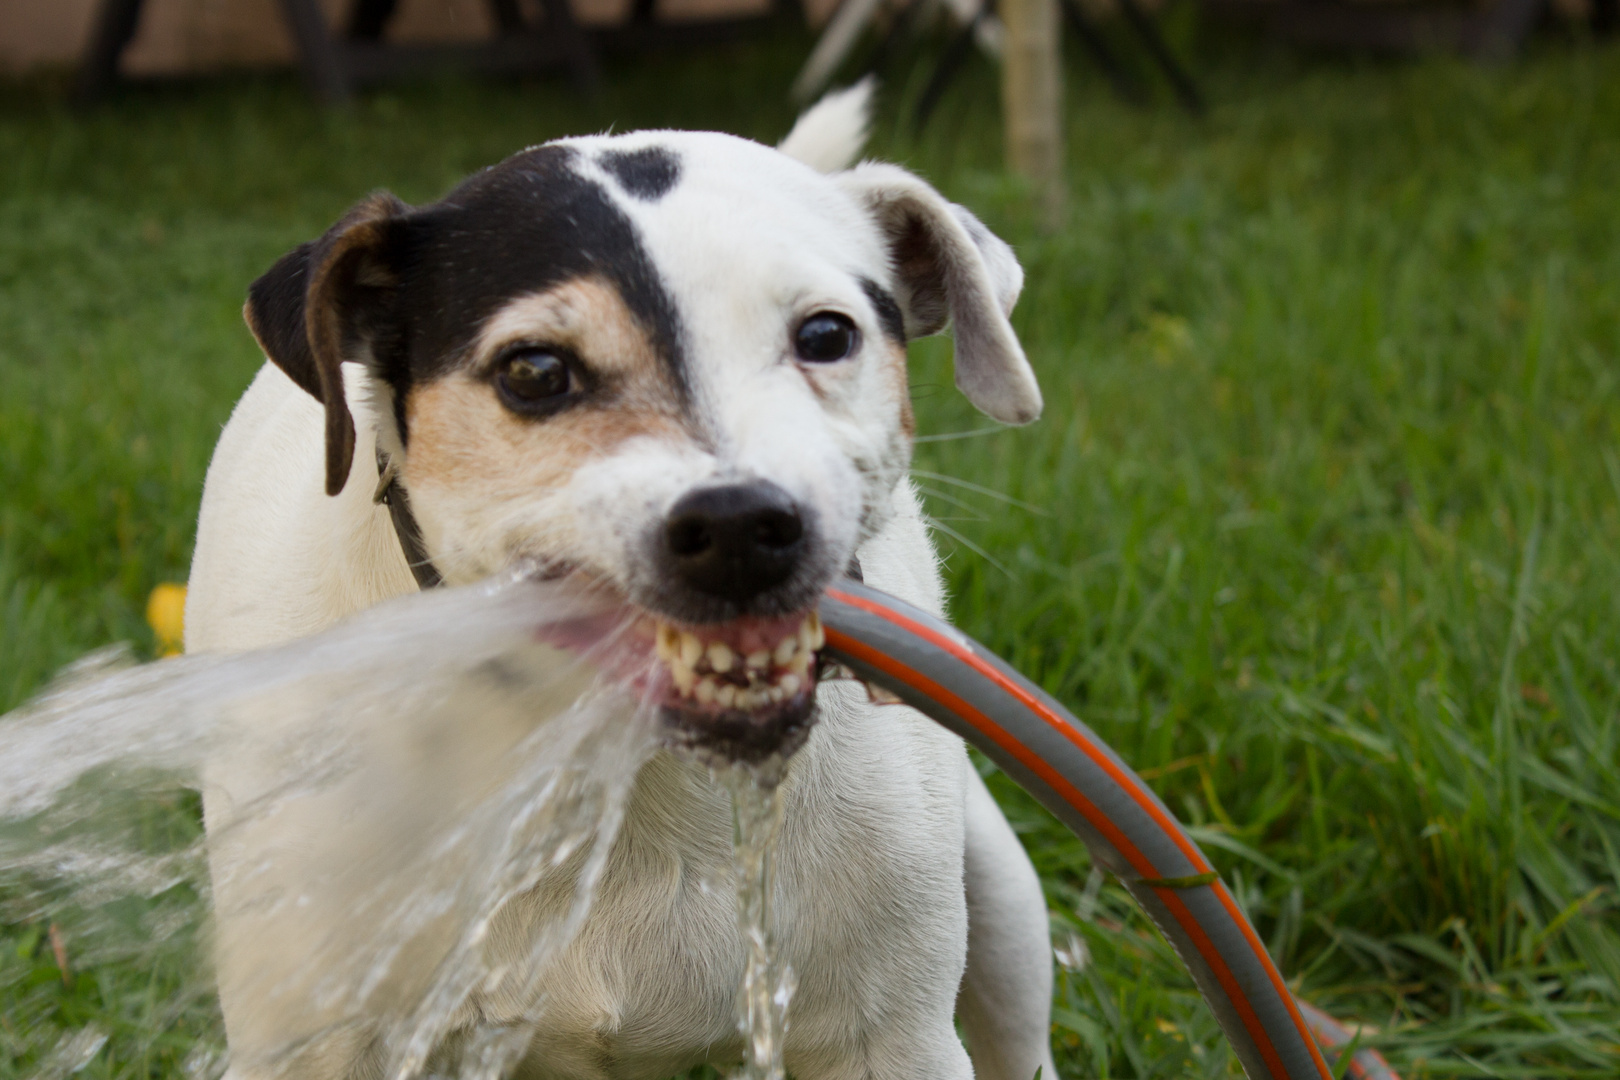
{"type": "Point", "coordinates": [734, 542]}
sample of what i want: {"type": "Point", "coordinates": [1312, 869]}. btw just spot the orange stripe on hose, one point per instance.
{"type": "Point", "coordinates": [1335, 1036]}
{"type": "Point", "coordinates": [1100, 821]}
{"type": "Point", "coordinates": [1123, 777]}
{"type": "Point", "coordinates": [1128, 782]}
{"type": "Point", "coordinates": [1004, 739]}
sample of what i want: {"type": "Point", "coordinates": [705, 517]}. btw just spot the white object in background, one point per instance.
{"type": "Point", "coordinates": [852, 19]}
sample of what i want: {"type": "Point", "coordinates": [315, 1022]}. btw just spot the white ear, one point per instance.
{"type": "Point", "coordinates": [949, 267]}
{"type": "Point", "coordinates": [831, 134]}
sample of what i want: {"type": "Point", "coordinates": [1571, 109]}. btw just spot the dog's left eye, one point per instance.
{"type": "Point", "coordinates": [825, 337]}
{"type": "Point", "coordinates": [531, 377]}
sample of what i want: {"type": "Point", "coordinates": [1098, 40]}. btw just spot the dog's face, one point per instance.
{"type": "Point", "coordinates": [671, 364]}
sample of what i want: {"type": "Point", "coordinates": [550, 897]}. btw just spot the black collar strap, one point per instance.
{"type": "Point", "coordinates": [390, 494]}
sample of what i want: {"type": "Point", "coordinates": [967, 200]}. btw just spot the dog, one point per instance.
{"type": "Point", "coordinates": [673, 365]}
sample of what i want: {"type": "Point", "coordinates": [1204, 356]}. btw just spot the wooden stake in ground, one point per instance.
{"type": "Point", "coordinates": [1032, 99]}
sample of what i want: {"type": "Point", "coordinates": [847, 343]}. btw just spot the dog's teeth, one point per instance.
{"type": "Point", "coordinates": [720, 657]}
{"type": "Point", "coordinates": [669, 642]}
{"type": "Point", "coordinates": [774, 675]}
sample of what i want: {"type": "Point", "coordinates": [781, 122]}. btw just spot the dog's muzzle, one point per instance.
{"type": "Point", "coordinates": [741, 645]}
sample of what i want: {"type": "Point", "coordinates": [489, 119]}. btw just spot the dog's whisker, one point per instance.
{"type": "Point", "coordinates": [939, 526]}
{"type": "Point", "coordinates": [952, 436]}
{"type": "Point", "coordinates": [935, 493]}
{"type": "Point", "coordinates": [980, 489]}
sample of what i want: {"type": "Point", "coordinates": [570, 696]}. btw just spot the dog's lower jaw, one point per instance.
{"type": "Point", "coordinates": [756, 738]}
{"type": "Point", "coordinates": [739, 692]}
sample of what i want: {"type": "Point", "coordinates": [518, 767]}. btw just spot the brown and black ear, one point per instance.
{"type": "Point", "coordinates": [949, 268]}
{"type": "Point", "coordinates": [318, 305]}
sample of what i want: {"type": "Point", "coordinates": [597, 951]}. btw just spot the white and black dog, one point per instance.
{"type": "Point", "coordinates": [671, 364]}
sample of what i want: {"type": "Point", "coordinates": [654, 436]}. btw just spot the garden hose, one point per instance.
{"type": "Point", "coordinates": [938, 670]}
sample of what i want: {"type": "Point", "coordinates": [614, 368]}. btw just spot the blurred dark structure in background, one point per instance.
{"type": "Point", "coordinates": [1487, 30]}
{"type": "Point", "coordinates": [335, 65]}
{"type": "Point", "coordinates": [340, 54]}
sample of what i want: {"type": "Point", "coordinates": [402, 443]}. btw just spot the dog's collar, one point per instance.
{"type": "Point", "coordinates": [391, 495]}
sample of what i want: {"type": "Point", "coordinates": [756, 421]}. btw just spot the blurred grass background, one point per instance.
{"type": "Point", "coordinates": [1321, 528]}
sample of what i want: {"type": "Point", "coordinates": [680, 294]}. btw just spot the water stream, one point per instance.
{"type": "Point", "coordinates": [767, 985]}
{"type": "Point", "coordinates": [380, 793]}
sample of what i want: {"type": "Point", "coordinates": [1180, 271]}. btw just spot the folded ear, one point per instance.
{"type": "Point", "coordinates": [949, 267]}
{"type": "Point", "coordinates": [316, 308]}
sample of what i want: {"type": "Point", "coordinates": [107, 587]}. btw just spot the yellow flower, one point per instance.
{"type": "Point", "coordinates": [166, 612]}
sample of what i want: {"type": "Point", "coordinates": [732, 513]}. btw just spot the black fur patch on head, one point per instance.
{"type": "Point", "coordinates": [888, 310]}
{"type": "Point", "coordinates": [415, 286]}
{"type": "Point", "coordinates": [647, 174]}
{"type": "Point", "coordinates": [523, 226]}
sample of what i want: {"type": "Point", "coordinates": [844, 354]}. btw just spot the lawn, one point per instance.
{"type": "Point", "coordinates": [1321, 528]}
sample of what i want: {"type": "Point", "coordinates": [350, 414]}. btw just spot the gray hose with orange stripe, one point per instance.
{"type": "Point", "coordinates": [941, 672]}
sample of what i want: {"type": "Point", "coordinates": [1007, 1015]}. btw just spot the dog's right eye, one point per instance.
{"type": "Point", "coordinates": [825, 337]}
{"type": "Point", "coordinates": [531, 378]}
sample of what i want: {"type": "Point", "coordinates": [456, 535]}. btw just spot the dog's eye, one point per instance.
{"type": "Point", "coordinates": [825, 337]}
{"type": "Point", "coordinates": [530, 377]}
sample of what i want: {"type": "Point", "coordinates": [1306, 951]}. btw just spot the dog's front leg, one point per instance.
{"type": "Point", "coordinates": [1006, 999]}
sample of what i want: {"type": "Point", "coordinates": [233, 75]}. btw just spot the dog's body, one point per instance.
{"type": "Point", "coordinates": [901, 895]}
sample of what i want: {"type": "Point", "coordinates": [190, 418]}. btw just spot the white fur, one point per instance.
{"type": "Point", "coordinates": [896, 871]}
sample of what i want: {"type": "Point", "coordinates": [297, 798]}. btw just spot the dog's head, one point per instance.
{"type": "Point", "coordinates": [670, 363]}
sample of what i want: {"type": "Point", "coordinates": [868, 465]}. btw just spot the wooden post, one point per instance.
{"type": "Point", "coordinates": [1032, 99]}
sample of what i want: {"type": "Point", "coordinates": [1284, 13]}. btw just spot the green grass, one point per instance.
{"type": "Point", "coordinates": [1325, 526]}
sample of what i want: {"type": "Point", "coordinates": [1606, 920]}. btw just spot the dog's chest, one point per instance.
{"type": "Point", "coordinates": [867, 881]}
